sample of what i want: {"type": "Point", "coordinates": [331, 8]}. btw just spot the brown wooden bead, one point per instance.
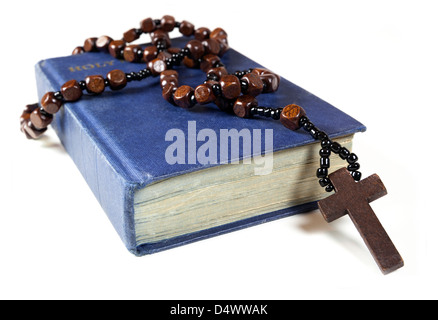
{"type": "Point", "coordinates": [117, 79]}
{"type": "Point", "coordinates": [173, 50]}
{"type": "Point", "coordinates": [147, 25]}
{"type": "Point", "coordinates": [270, 79]}
{"type": "Point", "coordinates": [291, 115]}
{"type": "Point", "coordinates": [190, 63]}
{"type": "Point", "coordinates": [40, 119]}
{"type": "Point", "coordinates": [169, 73]}
{"type": "Point", "coordinates": [160, 36]}
{"type": "Point", "coordinates": [202, 33]}
{"type": "Point", "coordinates": [30, 131]}
{"type": "Point", "coordinates": [133, 53]}
{"type": "Point", "coordinates": [116, 47]}
{"type": "Point", "coordinates": [71, 91]}
{"type": "Point", "coordinates": [219, 72]}
{"type": "Point", "coordinates": [78, 50]}
{"type": "Point", "coordinates": [196, 49]}
{"type": "Point", "coordinates": [243, 105]}
{"type": "Point", "coordinates": [186, 28]}
{"type": "Point", "coordinates": [225, 105]}
{"type": "Point", "coordinates": [166, 80]}
{"type": "Point", "coordinates": [211, 46]}
{"type": "Point", "coordinates": [131, 35]}
{"type": "Point", "coordinates": [209, 61]}
{"type": "Point", "coordinates": [163, 55]}
{"type": "Point", "coordinates": [263, 71]}
{"type": "Point", "coordinates": [150, 53]}
{"type": "Point", "coordinates": [168, 92]}
{"type": "Point", "coordinates": [255, 84]}
{"type": "Point", "coordinates": [102, 43]}
{"type": "Point", "coordinates": [95, 84]}
{"type": "Point", "coordinates": [90, 45]}
{"type": "Point", "coordinates": [167, 23]}
{"type": "Point", "coordinates": [223, 41]}
{"type": "Point", "coordinates": [230, 86]}
{"type": "Point", "coordinates": [157, 66]}
{"type": "Point", "coordinates": [218, 33]}
{"type": "Point", "coordinates": [50, 104]}
{"type": "Point", "coordinates": [204, 93]}
{"type": "Point", "coordinates": [169, 76]}
{"type": "Point", "coordinates": [183, 97]}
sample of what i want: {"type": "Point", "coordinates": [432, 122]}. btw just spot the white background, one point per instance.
{"type": "Point", "coordinates": [375, 60]}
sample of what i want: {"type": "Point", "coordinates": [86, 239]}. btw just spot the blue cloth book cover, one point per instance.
{"type": "Point", "coordinates": [167, 176]}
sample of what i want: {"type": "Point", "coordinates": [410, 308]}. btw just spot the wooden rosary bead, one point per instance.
{"type": "Point", "coordinates": [169, 76]}
{"type": "Point", "coordinates": [150, 53]}
{"type": "Point", "coordinates": [90, 45]}
{"type": "Point", "coordinates": [50, 104]}
{"type": "Point", "coordinates": [225, 105]}
{"type": "Point", "coordinates": [163, 55]}
{"type": "Point", "coordinates": [255, 84]}
{"type": "Point", "coordinates": [211, 46]}
{"type": "Point", "coordinates": [168, 92]}
{"type": "Point", "coordinates": [243, 105]}
{"type": "Point", "coordinates": [202, 33]}
{"type": "Point", "coordinates": [102, 43]}
{"type": "Point", "coordinates": [71, 91]}
{"type": "Point", "coordinates": [291, 115]}
{"type": "Point", "coordinates": [78, 50]}
{"type": "Point", "coordinates": [204, 93]}
{"type": "Point", "coordinates": [95, 84]}
{"type": "Point", "coordinates": [160, 36]}
{"type": "Point", "coordinates": [147, 25]}
{"type": "Point", "coordinates": [186, 28]}
{"type": "Point", "coordinates": [30, 131]}
{"type": "Point", "coordinates": [41, 119]}
{"type": "Point", "coordinates": [131, 35]}
{"type": "Point", "coordinates": [169, 80]}
{"type": "Point", "coordinates": [169, 73]}
{"type": "Point", "coordinates": [218, 72]}
{"type": "Point", "coordinates": [117, 79]}
{"type": "Point", "coordinates": [167, 23]}
{"type": "Point", "coordinates": [133, 53]}
{"type": "Point", "coordinates": [218, 33]}
{"type": "Point", "coordinates": [230, 86]}
{"type": "Point", "coordinates": [116, 48]}
{"type": "Point", "coordinates": [209, 61]}
{"type": "Point", "coordinates": [270, 80]}
{"type": "Point", "coordinates": [196, 49]}
{"type": "Point", "coordinates": [190, 63]}
{"type": "Point", "coordinates": [157, 66]}
{"type": "Point", "coordinates": [183, 97]}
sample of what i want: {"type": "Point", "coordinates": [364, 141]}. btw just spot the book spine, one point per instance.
{"type": "Point", "coordinates": [113, 192]}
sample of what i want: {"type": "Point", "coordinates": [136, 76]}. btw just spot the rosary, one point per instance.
{"type": "Point", "coordinates": [234, 93]}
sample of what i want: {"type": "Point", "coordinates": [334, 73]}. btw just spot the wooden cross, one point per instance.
{"type": "Point", "coordinates": [353, 198]}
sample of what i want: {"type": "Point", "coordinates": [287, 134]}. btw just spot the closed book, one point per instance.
{"type": "Point", "coordinates": [167, 176]}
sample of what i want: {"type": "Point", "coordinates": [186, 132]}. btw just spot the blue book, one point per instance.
{"type": "Point", "coordinates": [167, 176]}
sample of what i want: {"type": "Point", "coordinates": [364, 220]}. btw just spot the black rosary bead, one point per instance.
{"type": "Point", "coordinates": [212, 76]}
{"type": "Point", "coordinates": [322, 173]}
{"type": "Point", "coordinates": [303, 120]}
{"type": "Point", "coordinates": [216, 90]}
{"type": "Point", "coordinates": [324, 163]}
{"type": "Point", "coordinates": [324, 182]}
{"type": "Point", "coordinates": [308, 126]}
{"type": "Point", "coordinates": [327, 143]}
{"type": "Point", "coordinates": [356, 175]}
{"type": "Point", "coordinates": [344, 153]}
{"type": "Point", "coordinates": [58, 95]}
{"type": "Point", "coordinates": [314, 132]}
{"type": "Point", "coordinates": [352, 158]}
{"type": "Point", "coordinates": [325, 152]}
{"type": "Point", "coordinates": [329, 188]}
{"type": "Point", "coordinates": [322, 136]}
{"type": "Point", "coordinates": [353, 167]}
{"type": "Point", "coordinates": [335, 147]}
{"type": "Point", "coordinates": [267, 112]}
{"type": "Point", "coordinates": [261, 111]}
{"type": "Point", "coordinates": [253, 110]}
{"type": "Point", "coordinates": [83, 85]}
{"type": "Point", "coordinates": [244, 86]}
{"type": "Point", "coordinates": [277, 113]}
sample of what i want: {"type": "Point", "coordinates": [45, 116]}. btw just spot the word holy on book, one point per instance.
{"type": "Point", "coordinates": [193, 147]}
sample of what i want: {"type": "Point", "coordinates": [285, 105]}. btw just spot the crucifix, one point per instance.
{"type": "Point", "coordinates": [353, 198]}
